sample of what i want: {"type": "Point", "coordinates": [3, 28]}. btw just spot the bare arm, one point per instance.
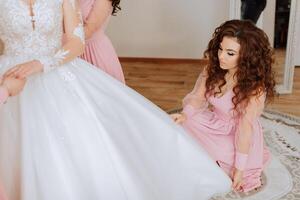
{"type": "Point", "coordinates": [101, 10]}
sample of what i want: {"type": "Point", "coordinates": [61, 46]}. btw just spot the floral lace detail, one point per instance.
{"type": "Point", "coordinates": [72, 3]}
{"type": "Point", "coordinates": [79, 32]}
{"type": "Point", "coordinates": [49, 63]}
{"type": "Point", "coordinates": [16, 28]}
{"type": "Point", "coordinates": [66, 74]}
{"type": "Point", "coordinates": [42, 42]}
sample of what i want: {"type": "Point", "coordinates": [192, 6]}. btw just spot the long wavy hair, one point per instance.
{"type": "Point", "coordinates": [254, 75]}
{"type": "Point", "coordinates": [116, 6]}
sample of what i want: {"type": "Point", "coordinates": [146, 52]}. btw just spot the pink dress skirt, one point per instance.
{"type": "Point", "coordinates": [99, 50]}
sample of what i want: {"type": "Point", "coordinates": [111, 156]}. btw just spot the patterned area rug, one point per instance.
{"type": "Point", "coordinates": [281, 179]}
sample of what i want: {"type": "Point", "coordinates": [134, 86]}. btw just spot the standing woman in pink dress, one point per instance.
{"type": "Point", "coordinates": [222, 112]}
{"type": "Point", "coordinates": [98, 49]}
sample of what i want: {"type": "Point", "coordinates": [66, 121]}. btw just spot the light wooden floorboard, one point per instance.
{"type": "Point", "coordinates": [166, 83]}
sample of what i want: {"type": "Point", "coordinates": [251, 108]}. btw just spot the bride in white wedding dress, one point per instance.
{"type": "Point", "coordinates": [75, 133]}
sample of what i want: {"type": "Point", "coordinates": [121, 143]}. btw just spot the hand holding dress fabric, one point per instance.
{"type": "Point", "coordinates": [178, 117]}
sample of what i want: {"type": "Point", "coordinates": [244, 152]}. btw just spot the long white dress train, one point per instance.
{"type": "Point", "coordinates": [75, 133]}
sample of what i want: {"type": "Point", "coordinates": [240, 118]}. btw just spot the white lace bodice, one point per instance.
{"type": "Point", "coordinates": [16, 29]}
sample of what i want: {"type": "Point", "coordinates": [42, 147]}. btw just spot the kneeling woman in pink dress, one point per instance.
{"type": "Point", "coordinates": [98, 49]}
{"type": "Point", "coordinates": [222, 112]}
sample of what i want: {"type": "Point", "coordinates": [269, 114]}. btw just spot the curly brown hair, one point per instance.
{"type": "Point", "coordinates": [254, 75]}
{"type": "Point", "coordinates": [116, 6]}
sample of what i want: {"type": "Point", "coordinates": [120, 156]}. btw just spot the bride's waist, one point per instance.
{"type": "Point", "coordinates": [27, 49]}
{"type": "Point", "coordinates": [10, 60]}
{"type": "Point", "coordinates": [27, 54]}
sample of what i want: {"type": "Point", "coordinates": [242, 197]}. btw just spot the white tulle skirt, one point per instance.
{"type": "Point", "coordinates": [75, 133]}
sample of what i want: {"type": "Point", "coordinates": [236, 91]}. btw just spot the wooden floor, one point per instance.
{"type": "Point", "coordinates": [166, 82]}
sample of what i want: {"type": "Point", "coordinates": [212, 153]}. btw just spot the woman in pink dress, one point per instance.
{"type": "Point", "coordinates": [222, 112]}
{"type": "Point", "coordinates": [98, 49]}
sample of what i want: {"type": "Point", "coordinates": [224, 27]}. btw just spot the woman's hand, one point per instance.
{"type": "Point", "coordinates": [13, 85]}
{"type": "Point", "coordinates": [24, 70]}
{"type": "Point", "coordinates": [178, 117]}
{"type": "Point", "coordinates": [237, 180]}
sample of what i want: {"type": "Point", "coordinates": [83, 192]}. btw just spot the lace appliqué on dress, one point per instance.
{"type": "Point", "coordinates": [73, 3]}
{"type": "Point", "coordinates": [66, 74]}
{"type": "Point", "coordinates": [49, 63]}
{"type": "Point", "coordinates": [79, 32]}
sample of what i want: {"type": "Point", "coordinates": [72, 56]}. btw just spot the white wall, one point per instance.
{"type": "Point", "coordinates": [269, 23]}
{"type": "Point", "coordinates": [297, 31]}
{"type": "Point", "coordinates": [268, 20]}
{"type": "Point", "coordinates": [166, 28]}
